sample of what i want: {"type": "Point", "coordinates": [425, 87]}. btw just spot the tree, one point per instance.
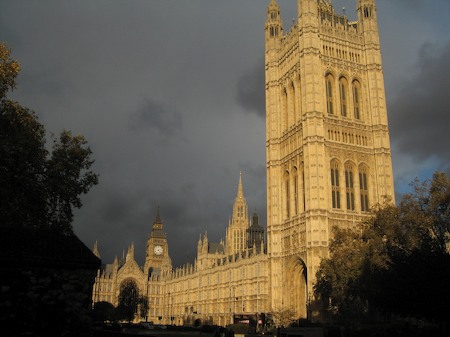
{"type": "Point", "coordinates": [338, 279]}
{"type": "Point", "coordinates": [103, 311]}
{"type": "Point", "coordinates": [283, 317]}
{"type": "Point", "coordinates": [8, 71]}
{"type": "Point", "coordinates": [39, 188]}
{"type": "Point", "coordinates": [143, 306]}
{"type": "Point", "coordinates": [128, 300]}
{"type": "Point", "coordinates": [397, 262]}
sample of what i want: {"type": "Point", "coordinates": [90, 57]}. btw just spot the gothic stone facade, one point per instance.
{"type": "Point", "coordinates": [328, 162]}
{"type": "Point", "coordinates": [226, 278]}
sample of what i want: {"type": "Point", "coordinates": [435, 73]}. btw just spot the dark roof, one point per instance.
{"type": "Point", "coordinates": [215, 247]}
{"type": "Point", "coordinates": [23, 247]}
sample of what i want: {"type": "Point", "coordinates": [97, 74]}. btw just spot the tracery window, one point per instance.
{"type": "Point", "coordinates": [329, 83]}
{"type": "Point", "coordinates": [356, 88]}
{"type": "Point", "coordinates": [343, 92]}
{"type": "Point", "coordinates": [364, 189]}
{"type": "Point", "coordinates": [335, 193]}
{"type": "Point", "coordinates": [349, 187]}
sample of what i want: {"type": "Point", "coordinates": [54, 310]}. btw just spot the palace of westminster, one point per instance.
{"type": "Point", "coordinates": [328, 161]}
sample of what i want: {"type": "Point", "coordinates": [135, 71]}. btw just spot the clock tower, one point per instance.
{"type": "Point", "coordinates": [157, 249]}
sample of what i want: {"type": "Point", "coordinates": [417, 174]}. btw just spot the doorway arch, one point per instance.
{"type": "Point", "coordinates": [295, 287]}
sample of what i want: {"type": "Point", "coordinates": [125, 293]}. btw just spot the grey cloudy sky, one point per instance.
{"type": "Point", "coordinates": [170, 96]}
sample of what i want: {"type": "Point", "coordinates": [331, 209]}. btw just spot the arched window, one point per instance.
{"type": "Point", "coordinates": [303, 187]}
{"type": "Point", "coordinates": [349, 187]}
{"type": "Point", "coordinates": [329, 83]}
{"type": "Point", "coordinates": [335, 193]}
{"type": "Point", "coordinates": [298, 97]}
{"type": "Point", "coordinates": [364, 189]}
{"type": "Point", "coordinates": [356, 88]}
{"type": "Point", "coordinates": [287, 195]}
{"type": "Point", "coordinates": [295, 191]}
{"type": "Point", "coordinates": [284, 109]}
{"type": "Point", "coordinates": [292, 112]}
{"type": "Point", "coordinates": [343, 93]}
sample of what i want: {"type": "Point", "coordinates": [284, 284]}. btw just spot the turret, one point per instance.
{"type": "Point", "coordinates": [367, 19]}
{"type": "Point", "coordinates": [307, 14]}
{"type": "Point", "coordinates": [274, 25]}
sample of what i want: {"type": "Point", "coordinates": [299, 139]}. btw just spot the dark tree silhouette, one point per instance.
{"type": "Point", "coordinates": [143, 306]}
{"type": "Point", "coordinates": [128, 300]}
{"type": "Point", "coordinates": [39, 188]}
{"type": "Point", "coordinates": [103, 311]}
{"type": "Point", "coordinates": [397, 263]}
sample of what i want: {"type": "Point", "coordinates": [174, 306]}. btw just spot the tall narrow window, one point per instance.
{"type": "Point", "coordinates": [349, 187]}
{"type": "Point", "coordinates": [298, 97]}
{"type": "Point", "coordinates": [343, 89]}
{"type": "Point", "coordinates": [330, 88]}
{"type": "Point", "coordinates": [285, 110]}
{"type": "Point", "coordinates": [303, 189]}
{"type": "Point", "coordinates": [335, 194]}
{"type": "Point", "coordinates": [295, 192]}
{"type": "Point", "coordinates": [288, 195]}
{"type": "Point", "coordinates": [291, 105]}
{"type": "Point", "coordinates": [356, 99]}
{"type": "Point", "coordinates": [364, 189]}
{"type": "Point", "coordinates": [288, 200]}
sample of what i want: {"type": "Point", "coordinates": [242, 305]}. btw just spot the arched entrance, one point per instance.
{"type": "Point", "coordinates": [295, 287]}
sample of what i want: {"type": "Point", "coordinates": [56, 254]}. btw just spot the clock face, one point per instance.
{"type": "Point", "coordinates": [158, 250]}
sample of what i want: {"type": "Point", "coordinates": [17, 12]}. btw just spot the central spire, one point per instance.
{"type": "Point", "coordinates": [240, 192]}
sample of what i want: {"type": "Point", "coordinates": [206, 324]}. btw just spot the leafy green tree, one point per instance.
{"type": "Point", "coordinates": [40, 189]}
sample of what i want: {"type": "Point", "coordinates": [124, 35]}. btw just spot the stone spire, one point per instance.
{"type": "Point", "coordinates": [158, 217]}
{"type": "Point", "coordinates": [240, 192]}
{"type": "Point", "coordinates": [236, 237]}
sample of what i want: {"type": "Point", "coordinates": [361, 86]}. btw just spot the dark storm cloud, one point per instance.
{"type": "Point", "coordinates": [124, 74]}
{"type": "Point", "coordinates": [420, 115]}
{"type": "Point", "coordinates": [154, 115]}
{"type": "Point", "coordinates": [250, 90]}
